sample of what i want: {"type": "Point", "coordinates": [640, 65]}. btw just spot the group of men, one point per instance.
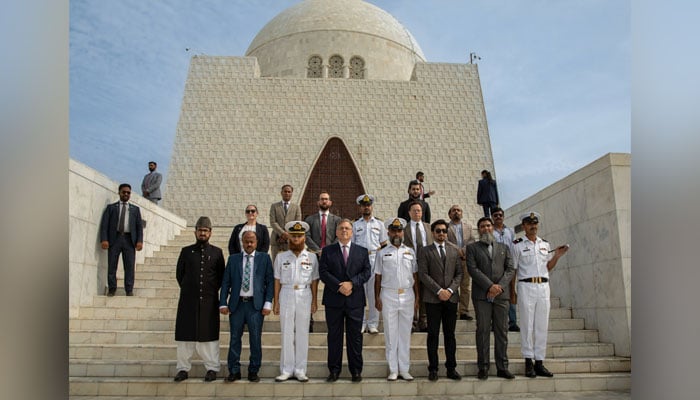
{"type": "Point", "coordinates": [419, 276]}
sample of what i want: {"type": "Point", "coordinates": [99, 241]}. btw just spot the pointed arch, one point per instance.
{"type": "Point", "coordinates": [334, 172]}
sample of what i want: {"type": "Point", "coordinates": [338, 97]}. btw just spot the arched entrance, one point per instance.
{"type": "Point", "coordinates": [335, 173]}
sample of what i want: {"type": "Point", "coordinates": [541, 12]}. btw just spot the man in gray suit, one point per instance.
{"type": "Point", "coordinates": [416, 235]}
{"type": "Point", "coordinates": [460, 235]}
{"type": "Point", "coordinates": [322, 225]}
{"type": "Point", "coordinates": [440, 273]}
{"type": "Point", "coordinates": [281, 213]}
{"type": "Point", "coordinates": [491, 267]}
{"type": "Point", "coordinates": [150, 187]}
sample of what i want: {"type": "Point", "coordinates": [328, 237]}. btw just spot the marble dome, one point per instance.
{"type": "Point", "coordinates": [335, 39]}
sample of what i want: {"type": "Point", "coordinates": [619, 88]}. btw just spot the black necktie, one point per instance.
{"type": "Point", "coordinates": [122, 213]}
{"type": "Point", "coordinates": [419, 236]}
{"type": "Point", "coordinates": [442, 255]}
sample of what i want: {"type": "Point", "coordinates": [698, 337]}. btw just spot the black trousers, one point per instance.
{"type": "Point", "coordinates": [125, 247]}
{"type": "Point", "coordinates": [444, 313]}
{"type": "Point", "coordinates": [487, 315]}
{"type": "Point", "coordinates": [350, 320]}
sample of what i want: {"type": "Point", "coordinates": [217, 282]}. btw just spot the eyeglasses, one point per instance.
{"type": "Point", "coordinates": [251, 211]}
{"type": "Point", "coordinates": [440, 230]}
{"type": "Point", "coordinates": [498, 215]}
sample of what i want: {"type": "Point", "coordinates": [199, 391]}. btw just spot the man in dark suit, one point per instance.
{"type": "Point", "coordinates": [487, 193]}
{"type": "Point", "coordinates": [121, 232]}
{"type": "Point", "coordinates": [414, 188]}
{"type": "Point", "coordinates": [440, 273]}
{"type": "Point", "coordinates": [322, 225]}
{"type": "Point", "coordinates": [344, 268]}
{"type": "Point", "coordinates": [416, 235]}
{"type": "Point", "coordinates": [491, 267]}
{"type": "Point", "coordinates": [246, 294]}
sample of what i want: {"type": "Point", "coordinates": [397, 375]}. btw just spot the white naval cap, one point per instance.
{"type": "Point", "coordinates": [395, 223]}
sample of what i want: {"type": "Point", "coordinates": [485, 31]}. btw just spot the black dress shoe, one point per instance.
{"type": "Point", "coordinates": [454, 375]}
{"type": "Point", "coordinates": [356, 378]}
{"type": "Point", "coordinates": [514, 328]}
{"type": "Point", "coordinates": [540, 369]}
{"type": "Point", "coordinates": [529, 368]}
{"type": "Point", "coordinates": [111, 292]}
{"type": "Point", "coordinates": [483, 374]}
{"type": "Point", "coordinates": [332, 377]}
{"type": "Point", "coordinates": [181, 376]}
{"type": "Point", "coordinates": [210, 376]}
{"type": "Point", "coordinates": [432, 376]}
{"type": "Point", "coordinates": [233, 377]}
{"type": "Point", "coordinates": [131, 293]}
{"type": "Point", "coordinates": [253, 377]}
{"type": "Point", "coordinates": [504, 373]}
{"type": "Point", "coordinates": [466, 317]}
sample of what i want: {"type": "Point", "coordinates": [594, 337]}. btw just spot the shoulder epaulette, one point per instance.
{"type": "Point", "coordinates": [544, 240]}
{"type": "Point", "coordinates": [518, 240]}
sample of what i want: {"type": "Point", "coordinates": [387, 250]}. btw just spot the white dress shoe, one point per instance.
{"type": "Point", "coordinates": [373, 330]}
{"type": "Point", "coordinates": [392, 376]}
{"type": "Point", "coordinates": [406, 376]}
{"type": "Point", "coordinates": [282, 378]}
{"type": "Point", "coordinates": [302, 378]}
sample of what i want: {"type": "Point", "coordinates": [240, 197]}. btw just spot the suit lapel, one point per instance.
{"type": "Point", "coordinates": [436, 255]}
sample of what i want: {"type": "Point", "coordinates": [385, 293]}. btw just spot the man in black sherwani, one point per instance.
{"type": "Point", "coordinates": [200, 270]}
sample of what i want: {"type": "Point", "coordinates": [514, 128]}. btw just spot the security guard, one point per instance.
{"type": "Point", "coordinates": [296, 286]}
{"type": "Point", "coordinates": [533, 261]}
{"type": "Point", "coordinates": [369, 232]}
{"type": "Point", "coordinates": [396, 296]}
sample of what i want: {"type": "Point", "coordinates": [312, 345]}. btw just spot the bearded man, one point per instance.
{"type": "Point", "coordinates": [296, 287]}
{"type": "Point", "coordinates": [490, 265]}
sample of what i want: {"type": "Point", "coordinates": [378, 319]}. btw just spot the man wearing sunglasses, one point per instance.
{"type": "Point", "coordinates": [440, 273]}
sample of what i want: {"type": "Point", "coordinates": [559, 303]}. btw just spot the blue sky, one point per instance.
{"type": "Point", "coordinates": [555, 76]}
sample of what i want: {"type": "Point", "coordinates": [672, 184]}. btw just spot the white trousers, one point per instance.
{"type": "Point", "coordinates": [295, 314]}
{"type": "Point", "coordinates": [397, 311]}
{"type": "Point", "coordinates": [208, 351]}
{"type": "Point", "coordinates": [533, 306]}
{"type": "Point", "coordinates": [371, 318]}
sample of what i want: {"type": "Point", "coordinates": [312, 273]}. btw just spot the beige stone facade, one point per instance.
{"type": "Point", "coordinates": [241, 136]}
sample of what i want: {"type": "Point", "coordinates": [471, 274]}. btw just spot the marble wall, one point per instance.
{"type": "Point", "coordinates": [89, 193]}
{"type": "Point", "coordinates": [590, 210]}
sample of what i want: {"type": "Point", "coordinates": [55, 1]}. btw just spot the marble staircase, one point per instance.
{"type": "Point", "coordinates": [124, 347]}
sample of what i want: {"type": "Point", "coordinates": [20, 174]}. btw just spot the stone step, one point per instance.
{"type": "Point", "coordinates": [370, 352]}
{"type": "Point", "coordinates": [319, 369]}
{"type": "Point", "coordinates": [97, 336]}
{"type": "Point", "coordinates": [116, 306]}
{"type": "Point", "coordinates": [121, 301]}
{"type": "Point", "coordinates": [147, 320]}
{"type": "Point", "coordinates": [368, 388]}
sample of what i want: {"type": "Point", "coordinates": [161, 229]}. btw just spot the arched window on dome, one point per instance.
{"type": "Point", "coordinates": [357, 68]}
{"type": "Point", "coordinates": [315, 69]}
{"type": "Point", "coordinates": [335, 66]}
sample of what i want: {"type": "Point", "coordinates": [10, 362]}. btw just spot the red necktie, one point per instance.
{"type": "Point", "coordinates": [323, 230]}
